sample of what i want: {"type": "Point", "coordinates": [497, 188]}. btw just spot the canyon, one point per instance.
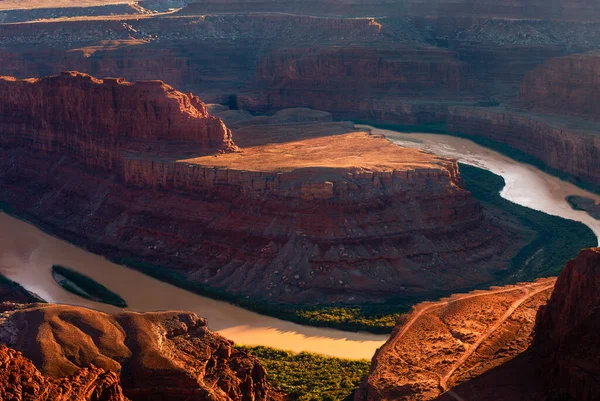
{"type": "Point", "coordinates": [401, 63]}
{"type": "Point", "coordinates": [266, 202]}
{"type": "Point", "coordinates": [248, 222]}
{"type": "Point", "coordinates": [501, 344]}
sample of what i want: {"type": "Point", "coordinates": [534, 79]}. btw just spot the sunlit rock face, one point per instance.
{"type": "Point", "coordinates": [21, 380]}
{"type": "Point", "coordinates": [90, 355]}
{"type": "Point", "coordinates": [95, 120]}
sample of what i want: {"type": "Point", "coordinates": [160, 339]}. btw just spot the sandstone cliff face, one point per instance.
{"type": "Point", "coordinates": [564, 85]}
{"type": "Point", "coordinates": [572, 150]}
{"type": "Point", "coordinates": [185, 65]}
{"type": "Point", "coordinates": [403, 69]}
{"type": "Point", "coordinates": [359, 82]}
{"type": "Point", "coordinates": [158, 356]}
{"type": "Point", "coordinates": [94, 120]}
{"type": "Point", "coordinates": [21, 380]}
{"type": "Point", "coordinates": [567, 330]}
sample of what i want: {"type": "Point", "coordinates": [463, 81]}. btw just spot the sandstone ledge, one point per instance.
{"type": "Point", "coordinates": [350, 216]}
{"type": "Point", "coordinates": [353, 164]}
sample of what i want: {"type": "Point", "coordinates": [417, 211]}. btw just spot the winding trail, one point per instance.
{"type": "Point", "coordinates": [529, 290]}
{"type": "Point", "coordinates": [529, 293]}
{"type": "Point", "coordinates": [461, 297]}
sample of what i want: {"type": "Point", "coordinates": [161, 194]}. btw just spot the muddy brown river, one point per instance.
{"type": "Point", "coordinates": [526, 185]}
{"type": "Point", "coordinates": [27, 254]}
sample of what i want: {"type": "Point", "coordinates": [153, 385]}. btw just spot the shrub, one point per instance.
{"type": "Point", "coordinates": [91, 289]}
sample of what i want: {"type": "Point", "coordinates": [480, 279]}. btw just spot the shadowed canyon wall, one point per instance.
{"type": "Point", "coordinates": [566, 330]}
{"type": "Point", "coordinates": [564, 85]}
{"type": "Point", "coordinates": [570, 149]}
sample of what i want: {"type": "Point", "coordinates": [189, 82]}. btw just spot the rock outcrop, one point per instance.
{"type": "Point", "coordinates": [572, 148]}
{"type": "Point", "coordinates": [94, 121]}
{"type": "Point", "coordinates": [562, 362]}
{"type": "Point", "coordinates": [587, 204]}
{"type": "Point", "coordinates": [21, 380]}
{"type": "Point", "coordinates": [158, 356]}
{"type": "Point", "coordinates": [566, 331]}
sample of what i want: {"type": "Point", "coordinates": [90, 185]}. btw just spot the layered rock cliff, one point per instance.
{"type": "Point", "coordinates": [564, 85]}
{"type": "Point", "coordinates": [359, 82]}
{"type": "Point", "coordinates": [306, 235]}
{"type": "Point", "coordinates": [572, 148]}
{"type": "Point", "coordinates": [21, 380]}
{"type": "Point", "coordinates": [95, 120]}
{"type": "Point", "coordinates": [216, 55]}
{"type": "Point", "coordinates": [158, 356]}
{"type": "Point", "coordinates": [566, 331]}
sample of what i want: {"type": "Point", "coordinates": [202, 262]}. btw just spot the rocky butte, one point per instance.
{"type": "Point", "coordinates": [88, 355]}
{"type": "Point", "coordinates": [95, 120]}
{"type": "Point", "coordinates": [506, 343]}
{"type": "Point", "coordinates": [143, 172]}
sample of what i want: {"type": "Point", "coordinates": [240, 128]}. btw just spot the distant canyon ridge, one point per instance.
{"type": "Point", "coordinates": [521, 73]}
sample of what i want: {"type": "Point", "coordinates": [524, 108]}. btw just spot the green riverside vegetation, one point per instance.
{"type": "Point", "coordinates": [557, 239]}
{"type": "Point", "coordinates": [85, 287]}
{"type": "Point", "coordinates": [310, 377]}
